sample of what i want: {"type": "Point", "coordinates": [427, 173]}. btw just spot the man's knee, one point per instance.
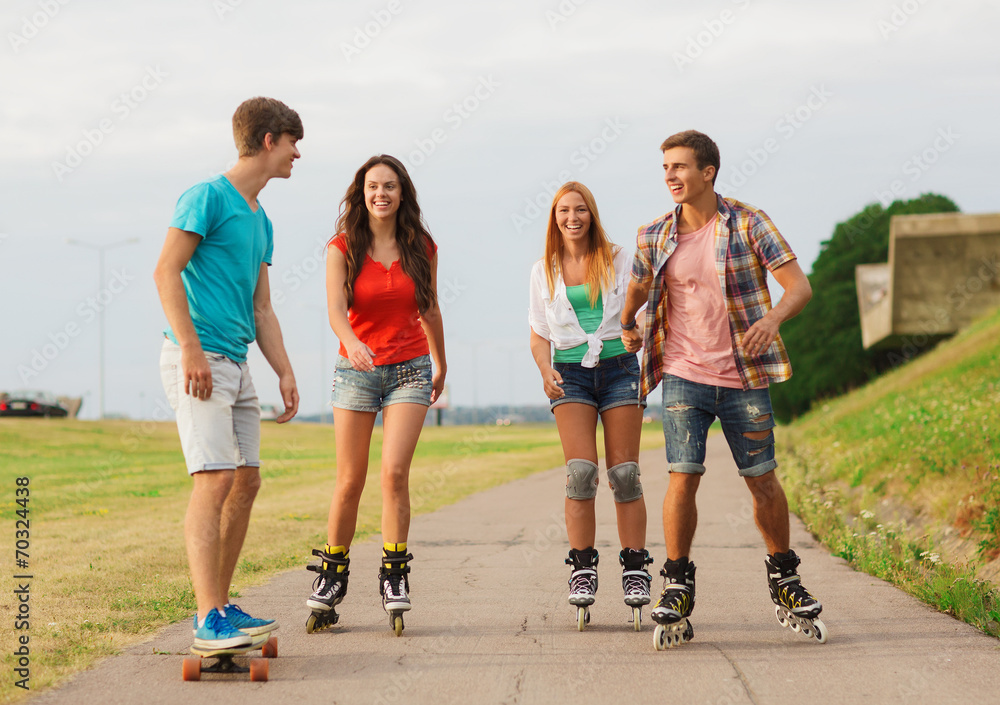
{"type": "Point", "coordinates": [247, 479]}
{"type": "Point", "coordinates": [766, 486]}
{"type": "Point", "coordinates": [213, 485]}
{"type": "Point", "coordinates": [582, 477]}
{"type": "Point", "coordinates": [624, 481]}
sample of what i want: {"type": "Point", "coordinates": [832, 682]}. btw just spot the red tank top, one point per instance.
{"type": "Point", "coordinates": [385, 316]}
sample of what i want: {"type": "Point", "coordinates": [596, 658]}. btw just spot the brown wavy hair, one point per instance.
{"type": "Point", "coordinates": [601, 269]}
{"type": "Point", "coordinates": [412, 236]}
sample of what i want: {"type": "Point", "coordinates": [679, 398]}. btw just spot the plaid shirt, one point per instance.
{"type": "Point", "coordinates": [745, 239]}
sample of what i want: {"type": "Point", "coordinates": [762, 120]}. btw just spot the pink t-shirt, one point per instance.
{"type": "Point", "coordinates": [698, 347]}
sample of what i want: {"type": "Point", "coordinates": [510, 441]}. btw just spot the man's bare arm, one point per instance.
{"type": "Point", "coordinates": [273, 346]}
{"type": "Point", "coordinates": [798, 291]}
{"type": "Point", "coordinates": [635, 297]}
{"type": "Point", "coordinates": [177, 252]}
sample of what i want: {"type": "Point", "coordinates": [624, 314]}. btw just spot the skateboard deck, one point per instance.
{"type": "Point", "coordinates": [194, 666]}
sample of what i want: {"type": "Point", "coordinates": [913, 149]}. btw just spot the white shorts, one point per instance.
{"type": "Point", "coordinates": [223, 431]}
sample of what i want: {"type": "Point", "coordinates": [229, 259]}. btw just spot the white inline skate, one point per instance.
{"type": "Point", "coordinates": [582, 583]}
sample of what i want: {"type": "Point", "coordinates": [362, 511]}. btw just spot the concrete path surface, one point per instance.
{"type": "Point", "coordinates": [491, 624]}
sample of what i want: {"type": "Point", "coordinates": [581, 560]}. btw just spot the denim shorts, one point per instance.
{"type": "Point", "coordinates": [223, 431]}
{"type": "Point", "coordinates": [407, 382]}
{"type": "Point", "coordinates": [614, 382]}
{"type": "Point", "coordinates": [689, 408]}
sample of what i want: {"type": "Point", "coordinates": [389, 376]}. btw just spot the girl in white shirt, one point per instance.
{"type": "Point", "coordinates": [576, 297]}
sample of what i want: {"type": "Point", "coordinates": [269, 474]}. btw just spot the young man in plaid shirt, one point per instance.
{"type": "Point", "coordinates": [711, 336]}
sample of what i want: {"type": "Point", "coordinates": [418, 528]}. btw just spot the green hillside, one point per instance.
{"type": "Point", "coordinates": [902, 476]}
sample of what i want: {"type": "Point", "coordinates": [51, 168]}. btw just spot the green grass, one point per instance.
{"type": "Point", "coordinates": [902, 477]}
{"type": "Point", "coordinates": [106, 510]}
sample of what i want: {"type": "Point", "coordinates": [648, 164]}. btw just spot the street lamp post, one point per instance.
{"type": "Point", "coordinates": [324, 326]}
{"type": "Point", "coordinates": [101, 249]}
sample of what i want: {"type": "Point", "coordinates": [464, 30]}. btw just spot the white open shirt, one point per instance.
{"type": "Point", "coordinates": [554, 318]}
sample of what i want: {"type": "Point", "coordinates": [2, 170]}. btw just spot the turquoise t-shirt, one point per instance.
{"type": "Point", "coordinates": [222, 275]}
{"type": "Point", "coordinates": [590, 320]}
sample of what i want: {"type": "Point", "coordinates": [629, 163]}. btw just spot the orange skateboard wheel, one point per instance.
{"type": "Point", "coordinates": [258, 669]}
{"type": "Point", "coordinates": [270, 648]}
{"type": "Point", "coordinates": [191, 669]}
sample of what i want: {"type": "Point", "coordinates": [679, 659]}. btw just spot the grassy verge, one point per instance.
{"type": "Point", "coordinates": [106, 510]}
{"type": "Point", "coordinates": [902, 477]}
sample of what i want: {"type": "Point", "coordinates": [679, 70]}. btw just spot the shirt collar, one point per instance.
{"type": "Point", "coordinates": [721, 206]}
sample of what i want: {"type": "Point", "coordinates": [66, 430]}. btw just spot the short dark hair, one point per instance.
{"type": "Point", "coordinates": [706, 152]}
{"type": "Point", "coordinates": [258, 116]}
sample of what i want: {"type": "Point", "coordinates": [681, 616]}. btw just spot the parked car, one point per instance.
{"type": "Point", "coordinates": [31, 403]}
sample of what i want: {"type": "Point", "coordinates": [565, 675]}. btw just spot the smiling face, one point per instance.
{"type": "Point", "coordinates": [687, 183]}
{"type": "Point", "coordinates": [283, 153]}
{"type": "Point", "coordinates": [573, 217]}
{"type": "Point", "coordinates": [382, 191]}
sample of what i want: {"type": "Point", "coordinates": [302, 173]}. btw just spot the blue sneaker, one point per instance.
{"type": "Point", "coordinates": [247, 624]}
{"type": "Point", "coordinates": [218, 633]}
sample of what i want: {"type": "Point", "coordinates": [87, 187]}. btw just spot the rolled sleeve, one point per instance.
{"type": "Point", "coordinates": [642, 265]}
{"type": "Point", "coordinates": [771, 248]}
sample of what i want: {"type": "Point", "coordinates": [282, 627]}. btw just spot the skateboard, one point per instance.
{"type": "Point", "coordinates": [194, 666]}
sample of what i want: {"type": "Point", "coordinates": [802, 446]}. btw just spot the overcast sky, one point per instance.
{"type": "Point", "coordinates": [110, 110]}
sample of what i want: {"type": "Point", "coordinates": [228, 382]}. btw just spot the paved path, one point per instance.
{"type": "Point", "coordinates": [491, 623]}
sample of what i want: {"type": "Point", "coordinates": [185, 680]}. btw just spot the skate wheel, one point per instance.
{"type": "Point", "coordinates": [819, 631]}
{"type": "Point", "coordinates": [581, 618]}
{"type": "Point", "coordinates": [311, 624]}
{"type": "Point", "coordinates": [780, 615]}
{"type": "Point", "coordinates": [688, 632]}
{"type": "Point", "coordinates": [397, 625]}
{"type": "Point", "coordinates": [794, 626]}
{"type": "Point", "coordinates": [191, 669]}
{"type": "Point", "coordinates": [258, 669]}
{"type": "Point", "coordinates": [270, 648]}
{"type": "Point", "coordinates": [662, 638]}
{"type": "Point", "coordinates": [637, 618]}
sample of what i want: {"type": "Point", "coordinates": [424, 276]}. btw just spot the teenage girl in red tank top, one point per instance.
{"type": "Point", "coordinates": [381, 284]}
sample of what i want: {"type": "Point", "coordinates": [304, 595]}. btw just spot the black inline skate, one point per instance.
{"type": "Point", "coordinates": [329, 590]}
{"type": "Point", "coordinates": [393, 585]}
{"type": "Point", "coordinates": [582, 583]}
{"type": "Point", "coordinates": [635, 581]}
{"type": "Point", "coordinates": [675, 605]}
{"type": "Point", "coordinates": [794, 607]}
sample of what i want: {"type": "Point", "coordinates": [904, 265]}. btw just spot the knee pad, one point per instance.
{"type": "Point", "coordinates": [624, 480]}
{"type": "Point", "coordinates": [582, 479]}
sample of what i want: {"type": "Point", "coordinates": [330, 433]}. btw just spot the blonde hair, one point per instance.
{"type": "Point", "coordinates": [601, 268]}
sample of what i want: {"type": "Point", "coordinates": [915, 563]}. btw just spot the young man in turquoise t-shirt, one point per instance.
{"type": "Point", "coordinates": [213, 284]}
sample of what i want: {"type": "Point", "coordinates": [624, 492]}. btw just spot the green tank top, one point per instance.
{"type": "Point", "coordinates": [590, 320]}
